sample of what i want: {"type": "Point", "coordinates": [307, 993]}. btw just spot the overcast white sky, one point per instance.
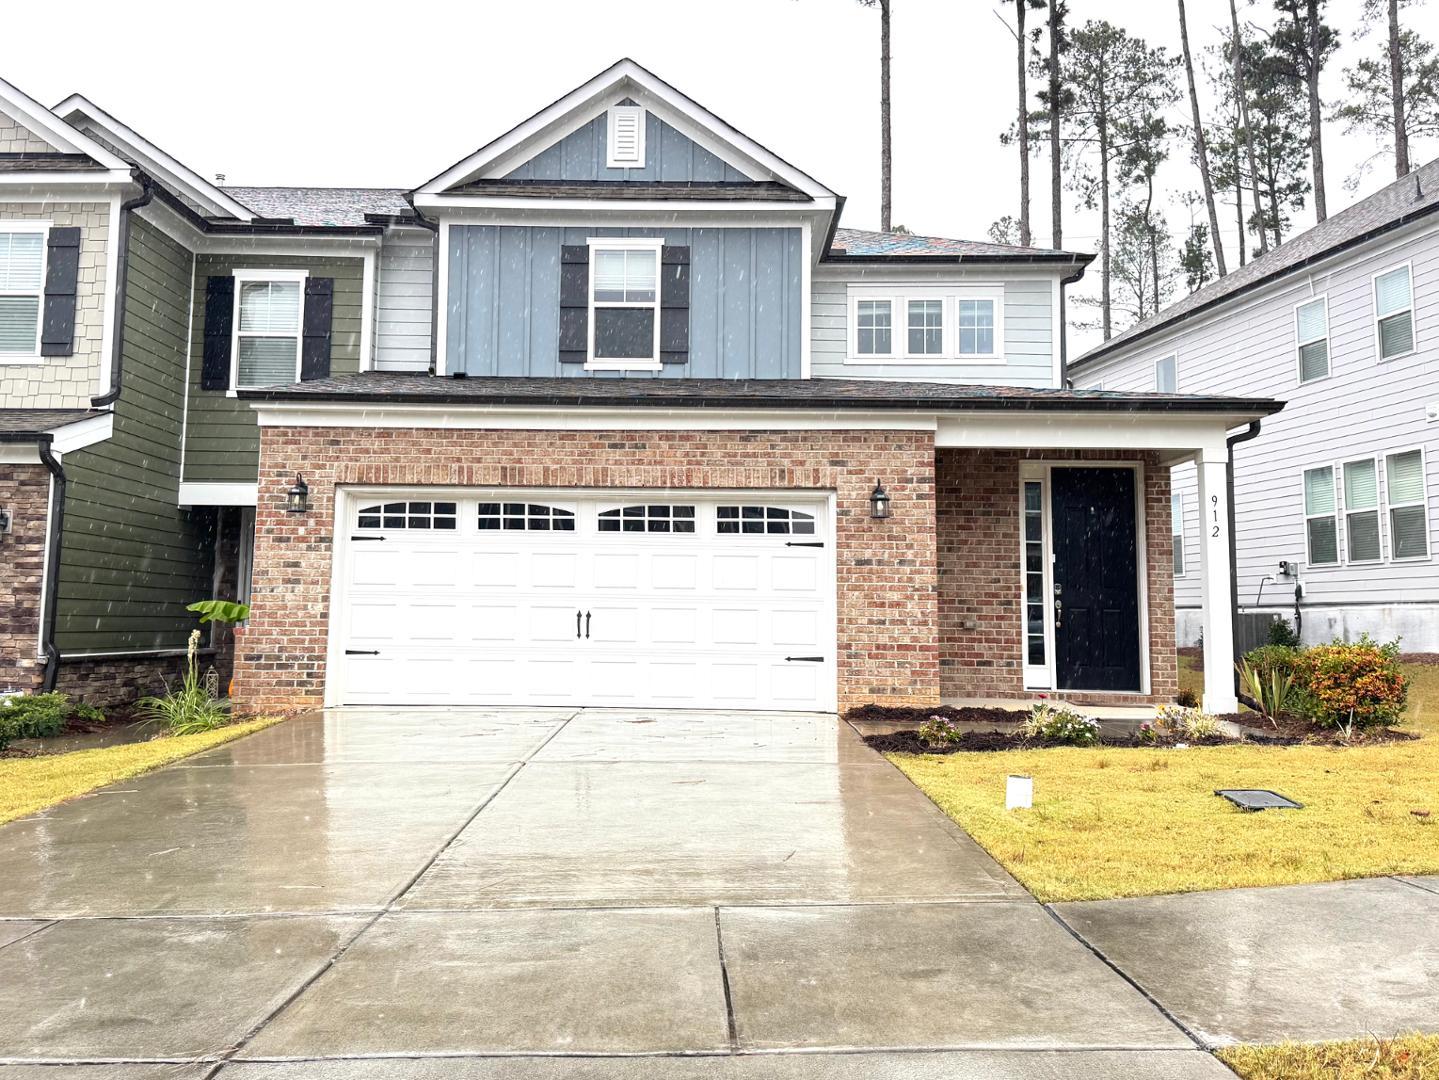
{"type": "Point", "coordinates": [386, 94]}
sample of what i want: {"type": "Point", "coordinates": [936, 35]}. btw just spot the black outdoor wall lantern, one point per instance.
{"type": "Point", "coordinates": [297, 499]}
{"type": "Point", "coordinates": [879, 502]}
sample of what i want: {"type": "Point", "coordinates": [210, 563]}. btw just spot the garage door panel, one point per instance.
{"type": "Point", "coordinates": [695, 619]}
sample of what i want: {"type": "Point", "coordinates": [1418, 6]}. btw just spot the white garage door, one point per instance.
{"type": "Point", "coordinates": [557, 599]}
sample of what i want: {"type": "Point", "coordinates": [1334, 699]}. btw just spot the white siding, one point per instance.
{"type": "Point", "coordinates": [1028, 331]}
{"type": "Point", "coordinates": [1362, 408]}
{"type": "Point", "coordinates": [405, 301]}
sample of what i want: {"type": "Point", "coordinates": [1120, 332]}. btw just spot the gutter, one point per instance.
{"type": "Point", "coordinates": [1251, 432]}
{"type": "Point", "coordinates": [435, 300]}
{"type": "Point", "coordinates": [1063, 258]}
{"type": "Point", "coordinates": [122, 262]}
{"type": "Point", "coordinates": [52, 562]}
{"type": "Point", "coordinates": [260, 227]}
{"type": "Point", "coordinates": [1069, 279]}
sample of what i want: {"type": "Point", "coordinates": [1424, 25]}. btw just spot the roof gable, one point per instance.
{"type": "Point", "coordinates": [27, 127]}
{"type": "Point", "coordinates": [562, 136]}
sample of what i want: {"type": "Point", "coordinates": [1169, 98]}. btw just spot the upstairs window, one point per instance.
{"type": "Point", "coordinates": [926, 327]}
{"type": "Point", "coordinates": [625, 137]}
{"type": "Point", "coordinates": [1394, 313]}
{"type": "Point", "coordinates": [1166, 375]}
{"type": "Point", "coordinates": [1311, 331]}
{"type": "Point", "coordinates": [976, 327]}
{"type": "Point", "coordinates": [874, 328]}
{"type": "Point", "coordinates": [1321, 526]}
{"type": "Point", "coordinates": [1408, 505]}
{"type": "Point", "coordinates": [625, 304]}
{"type": "Point", "coordinates": [269, 305]}
{"type": "Point", "coordinates": [1361, 511]}
{"type": "Point", "coordinates": [22, 284]}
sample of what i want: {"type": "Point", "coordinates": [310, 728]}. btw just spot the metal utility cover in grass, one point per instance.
{"type": "Point", "coordinates": [1258, 799]}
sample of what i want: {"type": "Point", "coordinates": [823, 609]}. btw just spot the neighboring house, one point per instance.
{"type": "Point", "coordinates": [1337, 500]}
{"type": "Point", "coordinates": [612, 412]}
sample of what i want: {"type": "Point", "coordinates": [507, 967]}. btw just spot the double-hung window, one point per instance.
{"type": "Point", "coordinates": [1311, 332]}
{"type": "Point", "coordinates": [1394, 312]}
{"type": "Point", "coordinates": [1166, 375]}
{"type": "Point", "coordinates": [22, 286]}
{"type": "Point", "coordinates": [1361, 511]}
{"type": "Point", "coordinates": [270, 307]}
{"type": "Point", "coordinates": [1321, 525]}
{"type": "Point", "coordinates": [1408, 506]}
{"type": "Point", "coordinates": [625, 303]}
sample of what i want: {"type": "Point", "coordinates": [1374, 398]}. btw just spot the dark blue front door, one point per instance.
{"type": "Point", "coordinates": [1096, 582]}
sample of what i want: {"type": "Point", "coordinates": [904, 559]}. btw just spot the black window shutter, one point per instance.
{"type": "Point", "coordinates": [219, 321]}
{"type": "Point", "coordinates": [675, 305]}
{"type": "Point", "coordinates": [574, 303]}
{"type": "Point", "coordinates": [62, 261]}
{"type": "Point", "coordinates": [319, 316]}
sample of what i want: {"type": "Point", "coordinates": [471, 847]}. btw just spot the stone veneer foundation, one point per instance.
{"type": "Point", "coordinates": [25, 492]}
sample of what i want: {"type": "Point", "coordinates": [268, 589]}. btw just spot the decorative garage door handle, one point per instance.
{"type": "Point", "coordinates": [804, 543]}
{"type": "Point", "coordinates": [366, 538]}
{"type": "Point", "coordinates": [577, 623]}
{"type": "Point", "coordinates": [587, 625]}
{"type": "Point", "coordinates": [807, 659]}
{"type": "Point", "coordinates": [362, 652]}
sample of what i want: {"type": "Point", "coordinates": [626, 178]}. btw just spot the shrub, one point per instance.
{"type": "Point", "coordinates": [1270, 658]}
{"type": "Point", "coordinates": [36, 716]}
{"type": "Point", "coordinates": [1187, 698]}
{"type": "Point", "coordinates": [937, 731]}
{"type": "Point", "coordinates": [1282, 632]}
{"type": "Point", "coordinates": [1061, 724]}
{"type": "Point", "coordinates": [1352, 684]}
{"type": "Point", "coordinates": [192, 708]}
{"type": "Point", "coordinates": [1271, 691]}
{"type": "Point", "coordinates": [1184, 722]}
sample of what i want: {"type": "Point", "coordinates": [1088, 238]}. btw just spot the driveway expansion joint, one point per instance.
{"type": "Point", "coordinates": [1414, 884]}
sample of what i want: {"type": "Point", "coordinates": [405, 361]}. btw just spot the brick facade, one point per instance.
{"type": "Point", "coordinates": [25, 493]}
{"type": "Point", "coordinates": [887, 588]}
{"type": "Point", "coordinates": [977, 499]}
{"type": "Point", "coordinates": [106, 681]}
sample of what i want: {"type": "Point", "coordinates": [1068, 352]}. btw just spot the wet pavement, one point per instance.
{"type": "Point", "coordinates": [607, 894]}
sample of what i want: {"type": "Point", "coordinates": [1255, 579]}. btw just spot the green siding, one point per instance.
{"type": "Point", "coordinates": [131, 559]}
{"type": "Point", "coordinates": [222, 443]}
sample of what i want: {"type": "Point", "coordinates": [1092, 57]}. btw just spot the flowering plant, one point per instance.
{"type": "Point", "coordinates": [1060, 723]}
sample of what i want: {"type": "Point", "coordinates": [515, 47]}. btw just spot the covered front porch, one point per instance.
{"type": "Point", "coordinates": [1055, 555]}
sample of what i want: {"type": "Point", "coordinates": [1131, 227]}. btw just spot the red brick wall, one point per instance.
{"type": "Point", "coordinates": [887, 591]}
{"type": "Point", "coordinates": [977, 501]}
{"type": "Point", "coordinates": [25, 492]}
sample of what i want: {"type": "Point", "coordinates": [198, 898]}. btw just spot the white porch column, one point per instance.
{"type": "Point", "coordinates": [1212, 466]}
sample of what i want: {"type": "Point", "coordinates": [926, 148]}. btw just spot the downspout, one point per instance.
{"type": "Point", "coordinates": [122, 277]}
{"type": "Point", "coordinates": [435, 299]}
{"type": "Point", "coordinates": [1251, 432]}
{"type": "Point", "coordinates": [52, 563]}
{"type": "Point", "coordinates": [1064, 380]}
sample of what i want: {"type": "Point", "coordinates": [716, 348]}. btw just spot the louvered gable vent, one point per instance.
{"type": "Point", "coordinates": [626, 137]}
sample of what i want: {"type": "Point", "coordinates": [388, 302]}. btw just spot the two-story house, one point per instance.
{"type": "Point", "coordinates": [1337, 499]}
{"type": "Point", "coordinates": [614, 412]}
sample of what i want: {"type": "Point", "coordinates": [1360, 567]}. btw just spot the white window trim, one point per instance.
{"type": "Point", "coordinates": [43, 228]}
{"type": "Point", "coordinates": [1176, 529]}
{"type": "Point", "coordinates": [1299, 343]}
{"type": "Point", "coordinates": [1159, 360]}
{"type": "Point", "coordinates": [1413, 322]}
{"type": "Point", "coordinates": [1336, 514]}
{"type": "Point", "coordinates": [898, 298]}
{"type": "Point", "coordinates": [624, 243]}
{"type": "Point", "coordinates": [1341, 502]}
{"type": "Point", "coordinates": [242, 276]}
{"type": "Point", "coordinates": [612, 115]}
{"type": "Point", "coordinates": [1424, 501]}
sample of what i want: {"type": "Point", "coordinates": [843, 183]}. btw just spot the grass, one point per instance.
{"type": "Point", "coordinates": [1127, 822]}
{"type": "Point", "coordinates": [1409, 1057]}
{"type": "Point", "coordinates": [31, 784]}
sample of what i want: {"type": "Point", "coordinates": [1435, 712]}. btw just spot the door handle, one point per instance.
{"type": "Point", "coordinates": [1058, 613]}
{"type": "Point", "coordinates": [577, 623]}
{"type": "Point", "coordinates": [587, 625]}
{"type": "Point", "coordinates": [362, 652]}
{"type": "Point", "coordinates": [807, 659]}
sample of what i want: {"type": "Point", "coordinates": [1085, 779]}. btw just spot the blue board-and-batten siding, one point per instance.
{"type": "Point", "coordinates": [669, 157]}
{"type": "Point", "coordinates": [503, 305]}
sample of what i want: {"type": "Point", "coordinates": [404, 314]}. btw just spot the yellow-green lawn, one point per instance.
{"type": "Point", "coordinates": [31, 784]}
{"type": "Point", "coordinates": [1412, 1057]}
{"type": "Point", "coordinates": [1131, 822]}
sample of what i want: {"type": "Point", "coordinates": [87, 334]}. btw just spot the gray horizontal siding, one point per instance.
{"type": "Point", "coordinates": [131, 559]}
{"type": "Point", "coordinates": [404, 305]}
{"type": "Point", "coordinates": [669, 156]}
{"type": "Point", "coordinates": [504, 295]}
{"type": "Point", "coordinates": [1028, 339]}
{"type": "Point", "coordinates": [222, 442]}
{"type": "Point", "coordinates": [1363, 408]}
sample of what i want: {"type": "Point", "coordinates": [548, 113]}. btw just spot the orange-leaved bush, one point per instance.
{"type": "Point", "coordinates": [1352, 683]}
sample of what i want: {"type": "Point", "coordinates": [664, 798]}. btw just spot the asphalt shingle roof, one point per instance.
{"type": "Point", "coordinates": [19, 424]}
{"type": "Point", "coordinates": [416, 388]}
{"type": "Point", "coordinates": [321, 206]}
{"type": "Point", "coordinates": [1415, 195]}
{"type": "Point", "coordinates": [865, 242]}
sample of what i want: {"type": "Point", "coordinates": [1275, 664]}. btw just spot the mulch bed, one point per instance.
{"type": "Point", "coordinates": [907, 714]}
{"type": "Point", "coordinates": [1296, 731]}
{"type": "Point", "coordinates": [982, 742]}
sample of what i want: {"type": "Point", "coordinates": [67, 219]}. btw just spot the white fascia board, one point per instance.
{"type": "Point", "coordinates": [671, 208]}
{"type": "Point", "coordinates": [564, 418]}
{"type": "Point", "coordinates": [581, 105]}
{"type": "Point", "coordinates": [43, 185]}
{"type": "Point", "coordinates": [184, 232]}
{"type": "Point", "coordinates": [155, 161]}
{"type": "Point", "coordinates": [19, 453]}
{"type": "Point", "coordinates": [83, 433]}
{"type": "Point", "coordinates": [1059, 430]}
{"type": "Point", "coordinates": [52, 129]}
{"type": "Point", "coordinates": [980, 273]}
{"type": "Point", "coordinates": [197, 494]}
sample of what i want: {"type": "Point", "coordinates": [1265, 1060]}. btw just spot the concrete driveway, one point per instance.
{"type": "Point", "coordinates": [422, 894]}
